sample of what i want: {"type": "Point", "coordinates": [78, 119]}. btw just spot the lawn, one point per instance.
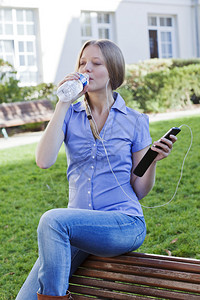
{"type": "Point", "coordinates": [26, 192]}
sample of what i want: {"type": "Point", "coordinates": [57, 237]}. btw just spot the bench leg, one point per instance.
{"type": "Point", "coordinates": [4, 132]}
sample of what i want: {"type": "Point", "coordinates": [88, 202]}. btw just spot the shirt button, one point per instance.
{"type": "Point", "coordinates": [90, 205]}
{"type": "Point", "coordinates": [89, 178]}
{"type": "Point", "coordinates": [94, 145]}
{"type": "Point", "coordinates": [93, 157]}
{"type": "Point", "coordinates": [88, 192]}
{"type": "Point", "coordinates": [92, 167]}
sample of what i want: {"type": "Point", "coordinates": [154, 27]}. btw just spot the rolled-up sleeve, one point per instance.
{"type": "Point", "coordinates": [142, 136]}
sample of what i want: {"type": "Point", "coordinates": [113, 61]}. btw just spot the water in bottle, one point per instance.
{"type": "Point", "coordinates": [70, 89]}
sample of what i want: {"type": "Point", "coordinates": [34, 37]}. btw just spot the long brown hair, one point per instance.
{"type": "Point", "coordinates": [115, 65]}
{"type": "Point", "coordinates": [114, 60]}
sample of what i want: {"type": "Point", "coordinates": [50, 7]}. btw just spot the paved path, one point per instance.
{"type": "Point", "coordinates": [174, 115]}
{"type": "Point", "coordinates": [20, 139]}
{"type": "Point", "coordinates": [34, 137]}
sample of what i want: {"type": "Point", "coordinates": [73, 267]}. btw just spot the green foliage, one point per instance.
{"type": "Point", "coordinates": [11, 91]}
{"type": "Point", "coordinates": [6, 69]}
{"type": "Point", "coordinates": [27, 192]}
{"type": "Point", "coordinates": [158, 85]}
{"type": "Point", "coordinates": [178, 62]}
{"type": "Point", "coordinates": [9, 88]}
{"type": "Point", "coordinates": [127, 95]}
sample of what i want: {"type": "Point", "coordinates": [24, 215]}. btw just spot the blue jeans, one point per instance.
{"type": "Point", "coordinates": [66, 237]}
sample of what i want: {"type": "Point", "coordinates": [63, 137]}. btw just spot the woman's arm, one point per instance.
{"type": "Point", "coordinates": [53, 136]}
{"type": "Point", "coordinates": [143, 185]}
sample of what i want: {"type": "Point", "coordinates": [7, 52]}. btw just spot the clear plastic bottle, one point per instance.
{"type": "Point", "coordinates": [70, 89]}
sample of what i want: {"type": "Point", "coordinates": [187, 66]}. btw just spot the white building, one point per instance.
{"type": "Point", "coordinates": [42, 38]}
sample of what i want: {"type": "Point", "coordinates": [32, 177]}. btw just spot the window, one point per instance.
{"type": "Point", "coordinates": [18, 42]}
{"type": "Point", "coordinates": [161, 36]}
{"type": "Point", "coordinates": [96, 25]}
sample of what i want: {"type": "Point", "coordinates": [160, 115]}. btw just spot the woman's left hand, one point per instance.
{"type": "Point", "coordinates": [165, 147]}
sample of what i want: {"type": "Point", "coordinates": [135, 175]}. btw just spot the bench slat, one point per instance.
{"type": "Point", "coordinates": [143, 271]}
{"type": "Point", "coordinates": [105, 293]}
{"type": "Point", "coordinates": [149, 262]}
{"type": "Point", "coordinates": [162, 283]}
{"type": "Point", "coordinates": [163, 257]}
{"type": "Point", "coordinates": [142, 290]}
{"type": "Point", "coordinates": [81, 297]}
{"type": "Point", "coordinates": [20, 113]}
{"type": "Point", "coordinates": [19, 122]}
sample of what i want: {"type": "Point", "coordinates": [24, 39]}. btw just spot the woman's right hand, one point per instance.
{"type": "Point", "coordinates": [73, 76]}
{"type": "Point", "coordinates": [68, 77]}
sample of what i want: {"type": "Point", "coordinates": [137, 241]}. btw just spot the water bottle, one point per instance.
{"type": "Point", "coordinates": [70, 89]}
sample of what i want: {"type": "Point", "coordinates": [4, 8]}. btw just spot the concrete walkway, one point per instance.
{"type": "Point", "coordinates": [174, 115]}
{"type": "Point", "coordinates": [20, 139]}
{"type": "Point", "coordinates": [34, 137]}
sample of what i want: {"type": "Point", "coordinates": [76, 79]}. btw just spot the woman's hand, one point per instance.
{"type": "Point", "coordinates": [74, 76]}
{"type": "Point", "coordinates": [68, 77]}
{"type": "Point", "coordinates": [165, 147]}
{"type": "Point", "coordinates": [143, 185]}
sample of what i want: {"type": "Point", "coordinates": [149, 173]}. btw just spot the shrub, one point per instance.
{"type": "Point", "coordinates": [178, 62]}
{"type": "Point", "coordinates": [11, 91]}
{"type": "Point", "coordinates": [9, 88]}
{"type": "Point", "coordinates": [181, 84]}
{"type": "Point", "coordinates": [158, 85]}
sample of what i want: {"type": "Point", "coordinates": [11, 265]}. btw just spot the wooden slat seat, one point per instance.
{"type": "Point", "coordinates": [137, 276]}
{"type": "Point", "coordinates": [20, 113]}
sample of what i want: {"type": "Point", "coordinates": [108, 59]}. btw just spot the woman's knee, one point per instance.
{"type": "Point", "coordinates": [47, 220]}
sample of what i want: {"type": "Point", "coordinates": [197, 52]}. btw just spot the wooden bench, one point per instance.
{"type": "Point", "coordinates": [137, 276]}
{"type": "Point", "coordinates": [20, 113]}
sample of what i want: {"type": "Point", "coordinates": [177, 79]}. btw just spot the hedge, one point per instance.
{"type": "Point", "coordinates": [154, 85]}
{"type": "Point", "coordinates": [158, 85]}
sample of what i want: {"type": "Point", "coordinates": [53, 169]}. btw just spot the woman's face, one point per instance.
{"type": "Point", "coordinates": [92, 62]}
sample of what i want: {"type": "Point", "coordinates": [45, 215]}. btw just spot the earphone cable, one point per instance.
{"type": "Point", "coordinates": [161, 205]}
{"type": "Point", "coordinates": [183, 163]}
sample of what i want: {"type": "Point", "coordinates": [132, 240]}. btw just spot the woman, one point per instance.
{"type": "Point", "coordinates": [104, 142]}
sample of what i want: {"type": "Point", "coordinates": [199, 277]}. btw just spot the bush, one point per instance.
{"type": "Point", "coordinates": [150, 86]}
{"type": "Point", "coordinates": [11, 91]}
{"type": "Point", "coordinates": [9, 88]}
{"type": "Point", "coordinates": [179, 87]}
{"type": "Point", "coordinates": [157, 85]}
{"type": "Point", "coordinates": [178, 62]}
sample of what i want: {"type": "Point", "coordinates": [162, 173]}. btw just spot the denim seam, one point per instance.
{"type": "Point", "coordinates": [89, 225]}
{"type": "Point", "coordinates": [100, 225]}
{"type": "Point", "coordinates": [136, 240]}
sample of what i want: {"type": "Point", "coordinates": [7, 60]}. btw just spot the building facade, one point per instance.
{"type": "Point", "coordinates": [41, 38]}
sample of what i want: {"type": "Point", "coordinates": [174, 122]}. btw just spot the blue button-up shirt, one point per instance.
{"type": "Point", "coordinates": [92, 185]}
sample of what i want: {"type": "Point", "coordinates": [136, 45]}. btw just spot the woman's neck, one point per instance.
{"type": "Point", "coordinates": [100, 102]}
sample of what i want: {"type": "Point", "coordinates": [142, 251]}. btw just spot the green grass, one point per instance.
{"type": "Point", "coordinates": [26, 192]}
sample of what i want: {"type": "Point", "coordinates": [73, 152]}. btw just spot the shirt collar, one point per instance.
{"type": "Point", "coordinates": [79, 106]}
{"type": "Point", "coordinates": [119, 104]}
